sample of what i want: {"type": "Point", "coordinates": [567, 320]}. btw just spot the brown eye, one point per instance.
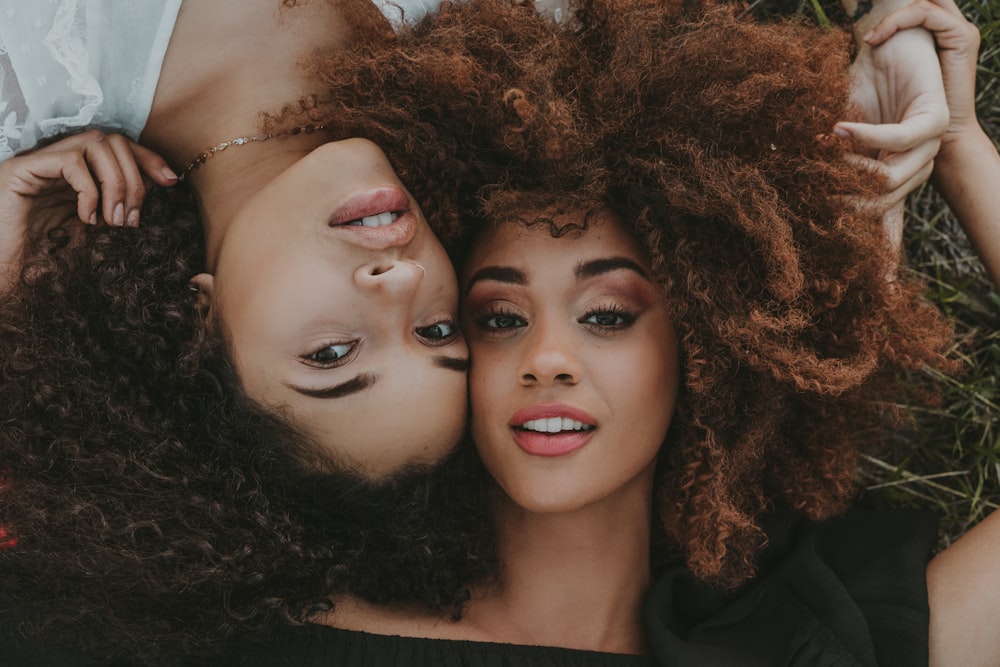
{"type": "Point", "coordinates": [611, 318]}
{"type": "Point", "coordinates": [501, 321]}
{"type": "Point", "coordinates": [439, 331]}
{"type": "Point", "coordinates": [330, 354]}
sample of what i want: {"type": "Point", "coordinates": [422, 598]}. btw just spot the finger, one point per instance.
{"type": "Point", "coordinates": [134, 188]}
{"type": "Point", "coordinates": [103, 162]}
{"type": "Point", "coordinates": [33, 174]}
{"type": "Point", "coordinates": [941, 18]}
{"type": "Point", "coordinates": [916, 179]}
{"type": "Point", "coordinates": [153, 165]}
{"type": "Point", "coordinates": [78, 175]}
{"type": "Point", "coordinates": [72, 168]}
{"type": "Point", "coordinates": [910, 16]}
{"type": "Point", "coordinates": [916, 129]}
{"type": "Point", "coordinates": [905, 169]}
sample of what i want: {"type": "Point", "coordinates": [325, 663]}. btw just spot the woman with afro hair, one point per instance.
{"type": "Point", "coordinates": [690, 153]}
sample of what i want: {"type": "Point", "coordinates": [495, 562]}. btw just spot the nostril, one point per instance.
{"type": "Point", "coordinates": [378, 270]}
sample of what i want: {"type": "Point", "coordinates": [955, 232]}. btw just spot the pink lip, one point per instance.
{"type": "Point", "coordinates": [544, 444]}
{"type": "Point", "coordinates": [380, 200]}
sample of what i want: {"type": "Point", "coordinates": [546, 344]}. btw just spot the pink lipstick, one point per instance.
{"type": "Point", "coordinates": [551, 429]}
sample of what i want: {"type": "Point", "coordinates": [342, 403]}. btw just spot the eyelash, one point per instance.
{"type": "Point", "coordinates": [309, 359]}
{"type": "Point", "coordinates": [482, 320]}
{"type": "Point", "coordinates": [627, 319]}
{"type": "Point", "coordinates": [443, 340]}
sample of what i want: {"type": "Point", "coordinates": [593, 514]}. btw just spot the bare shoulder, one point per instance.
{"type": "Point", "coordinates": [963, 584]}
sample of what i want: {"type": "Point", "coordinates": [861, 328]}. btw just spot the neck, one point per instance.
{"type": "Point", "coordinates": [206, 96]}
{"type": "Point", "coordinates": [223, 184]}
{"type": "Point", "coordinates": [571, 579]}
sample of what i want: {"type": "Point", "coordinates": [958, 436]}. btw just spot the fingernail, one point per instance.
{"type": "Point", "coordinates": [118, 218]}
{"type": "Point", "coordinates": [841, 132]}
{"type": "Point", "coordinates": [168, 174]}
{"type": "Point", "coordinates": [869, 36]}
{"type": "Point", "coordinates": [133, 218]}
{"type": "Point", "coordinates": [92, 220]}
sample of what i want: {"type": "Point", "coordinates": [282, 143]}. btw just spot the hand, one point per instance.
{"type": "Point", "coordinates": [73, 178]}
{"type": "Point", "coordinates": [958, 47]}
{"type": "Point", "coordinates": [898, 88]}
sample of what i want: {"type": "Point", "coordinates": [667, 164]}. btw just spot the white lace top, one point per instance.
{"type": "Point", "coordinates": [68, 64]}
{"type": "Point", "coordinates": [72, 64]}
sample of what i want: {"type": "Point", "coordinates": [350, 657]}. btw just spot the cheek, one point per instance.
{"type": "Point", "coordinates": [488, 376]}
{"type": "Point", "coordinates": [648, 383]}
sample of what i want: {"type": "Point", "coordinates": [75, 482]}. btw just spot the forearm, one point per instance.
{"type": "Point", "coordinates": [967, 173]}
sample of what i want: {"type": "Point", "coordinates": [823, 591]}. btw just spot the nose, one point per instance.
{"type": "Point", "coordinates": [393, 279]}
{"type": "Point", "coordinates": [549, 357]}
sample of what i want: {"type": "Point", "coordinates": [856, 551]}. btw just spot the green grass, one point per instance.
{"type": "Point", "coordinates": [950, 461]}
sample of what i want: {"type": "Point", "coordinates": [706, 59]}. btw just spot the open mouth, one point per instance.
{"type": "Point", "coordinates": [552, 429]}
{"type": "Point", "coordinates": [555, 425]}
{"type": "Point", "coordinates": [377, 220]}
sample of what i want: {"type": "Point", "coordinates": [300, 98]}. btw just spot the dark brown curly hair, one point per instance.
{"type": "Point", "coordinates": [153, 512]}
{"type": "Point", "coordinates": [708, 134]}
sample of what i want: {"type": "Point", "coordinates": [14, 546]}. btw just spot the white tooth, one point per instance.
{"type": "Point", "coordinates": [554, 425]}
{"type": "Point", "coordinates": [377, 220]}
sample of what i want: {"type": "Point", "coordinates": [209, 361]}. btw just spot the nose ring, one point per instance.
{"type": "Point", "coordinates": [419, 266]}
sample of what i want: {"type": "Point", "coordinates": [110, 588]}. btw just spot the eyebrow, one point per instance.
{"type": "Point", "coordinates": [354, 385]}
{"type": "Point", "coordinates": [596, 267]}
{"type": "Point", "coordinates": [501, 274]}
{"type": "Point", "coordinates": [364, 381]}
{"type": "Point", "coordinates": [459, 364]}
{"type": "Point", "coordinates": [583, 270]}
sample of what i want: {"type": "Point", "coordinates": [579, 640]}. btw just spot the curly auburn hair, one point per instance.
{"type": "Point", "coordinates": [154, 513]}
{"type": "Point", "coordinates": [708, 134]}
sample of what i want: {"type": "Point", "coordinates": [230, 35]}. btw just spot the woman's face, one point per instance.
{"type": "Point", "coordinates": [340, 305]}
{"type": "Point", "coordinates": [574, 362]}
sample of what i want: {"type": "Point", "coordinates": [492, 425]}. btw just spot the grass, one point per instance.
{"type": "Point", "coordinates": [949, 462]}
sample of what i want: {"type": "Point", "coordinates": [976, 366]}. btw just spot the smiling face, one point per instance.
{"type": "Point", "coordinates": [339, 306]}
{"type": "Point", "coordinates": [575, 366]}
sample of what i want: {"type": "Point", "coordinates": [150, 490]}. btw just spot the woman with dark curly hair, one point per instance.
{"type": "Point", "coordinates": [287, 216]}
{"type": "Point", "coordinates": [139, 416]}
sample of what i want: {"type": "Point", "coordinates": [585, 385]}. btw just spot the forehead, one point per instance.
{"type": "Point", "coordinates": [579, 235]}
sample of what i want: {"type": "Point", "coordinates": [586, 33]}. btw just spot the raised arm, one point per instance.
{"type": "Point", "coordinates": [968, 166]}
{"type": "Point", "coordinates": [89, 176]}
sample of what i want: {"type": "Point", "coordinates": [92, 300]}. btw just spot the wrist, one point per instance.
{"type": "Point", "coordinates": [963, 143]}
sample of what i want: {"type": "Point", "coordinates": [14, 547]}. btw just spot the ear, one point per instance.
{"type": "Point", "coordinates": [204, 285]}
